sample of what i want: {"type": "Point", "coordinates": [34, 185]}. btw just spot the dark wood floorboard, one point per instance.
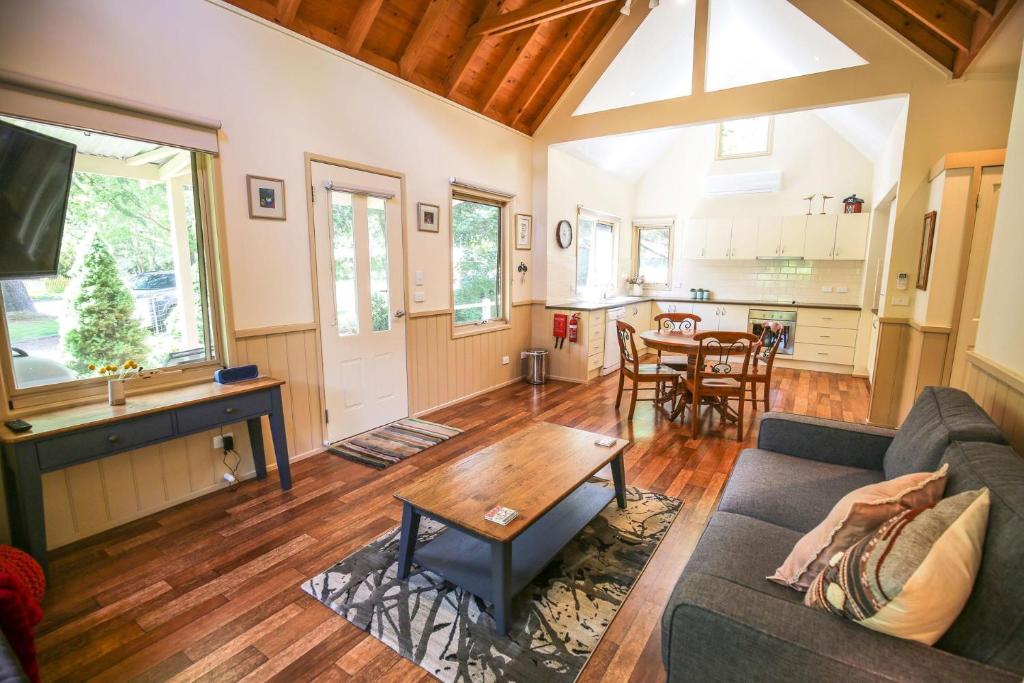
{"type": "Point", "coordinates": [208, 590]}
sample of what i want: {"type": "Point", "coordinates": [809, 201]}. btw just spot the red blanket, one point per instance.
{"type": "Point", "coordinates": [19, 614]}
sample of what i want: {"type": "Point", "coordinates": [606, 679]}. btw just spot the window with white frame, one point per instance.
{"type": "Point", "coordinates": [478, 268]}
{"type": "Point", "coordinates": [132, 280]}
{"type": "Point", "coordinates": [745, 138]}
{"type": "Point", "coordinates": [652, 253]}
{"type": "Point", "coordinates": [595, 253]}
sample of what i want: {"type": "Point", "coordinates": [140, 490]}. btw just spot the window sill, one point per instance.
{"type": "Point", "coordinates": [459, 331]}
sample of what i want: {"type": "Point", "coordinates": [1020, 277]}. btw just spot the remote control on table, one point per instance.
{"type": "Point", "coordinates": [18, 425]}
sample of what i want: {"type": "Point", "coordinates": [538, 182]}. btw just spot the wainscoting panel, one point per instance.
{"type": "Point", "coordinates": [92, 497]}
{"type": "Point", "coordinates": [1000, 391]}
{"type": "Point", "coordinates": [443, 370]}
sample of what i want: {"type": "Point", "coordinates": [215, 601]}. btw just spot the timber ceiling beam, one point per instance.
{"type": "Point", "coordinates": [421, 37]}
{"type": "Point", "coordinates": [286, 11]}
{"type": "Point", "coordinates": [945, 18]}
{"type": "Point", "coordinates": [911, 29]}
{"type": "Point", "coordinates": [470, 45]}
{"type": "Point", "coordinates": [984, 26]}
{"type": "Point", "coordinates": [360, 26]}
{"type": "Point", "coordinates": [515, 52]}
{"type": "Point", "coordinates": [531, 15]}
{"type": "Point", "coordinates": [566, 39]}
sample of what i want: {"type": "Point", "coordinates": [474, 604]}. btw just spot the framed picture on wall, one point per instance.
{"type": "Point", "coordinates": [524, 231]}
{"type": "Point", "coordinates": [266, 197]}
{"type": "Point", "coordinates": [428, 217]}
{"type": "Point", "coordinates": [927, 237]}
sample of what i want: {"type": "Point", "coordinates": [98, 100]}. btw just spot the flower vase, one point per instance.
{"type": "Point", "coordinates": [115, 392]}
{"type": "Point", "coordinates": [637, 290]}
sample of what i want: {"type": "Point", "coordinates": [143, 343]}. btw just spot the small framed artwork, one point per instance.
{"type": "Point", "coordinates": [927, 237]}
{"type": "Point", "coordinates": [428, 217]}
{"type": "Point", "coordinates": [524, 231]}
{"type": "Point", "coordinates": [266, 197]}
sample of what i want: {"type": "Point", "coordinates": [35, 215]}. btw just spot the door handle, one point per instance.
{"type": "Point", "coordinates": [399, 314]}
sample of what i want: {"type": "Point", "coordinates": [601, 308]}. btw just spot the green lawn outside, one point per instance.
{"type": "Point", "coordinates": [31, 327]}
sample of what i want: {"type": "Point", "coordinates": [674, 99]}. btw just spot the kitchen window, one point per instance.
{"type": "Point", "coordinates": [595, 253]}
{"type": "Point", "coordinates": [133, 276]}
{"type": "Point", "coordinates": [745, 138]}
{"type": "Point", "coordinates": [478, 260]}
{"type": "Point", "coordinates": [652, 253]}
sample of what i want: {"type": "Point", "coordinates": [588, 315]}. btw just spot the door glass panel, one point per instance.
{"type": "Point", "coordinates": [344, 246]}
{"type": "Point", "coordinates": [380, 301]}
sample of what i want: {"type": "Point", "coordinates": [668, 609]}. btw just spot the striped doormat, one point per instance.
{"type": "Point", "coordinates": [384, 446]}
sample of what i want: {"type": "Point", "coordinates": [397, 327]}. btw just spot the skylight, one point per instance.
{"type": "Point", "coordinates": [655, 64]}
{"type": "Point", "coordinates": [769, 40]}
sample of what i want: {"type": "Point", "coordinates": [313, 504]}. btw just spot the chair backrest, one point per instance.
{"type": "Point", "coordinates": [769, 342]}
{"type": "Point", "coordinates": [724, 354]}
{"type": "Point", "coordinates": [627, 346]}
{"type": "Point", "coordinates": [682, 323]}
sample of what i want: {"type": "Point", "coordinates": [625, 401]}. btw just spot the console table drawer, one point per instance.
{"type": "Point", "coordinates": [93, 443]}
{"type": "Point", "coordinates": [213, 414]}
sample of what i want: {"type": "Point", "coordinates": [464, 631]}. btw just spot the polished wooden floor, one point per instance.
{"type": "Point", "coordinates": [209, 590]}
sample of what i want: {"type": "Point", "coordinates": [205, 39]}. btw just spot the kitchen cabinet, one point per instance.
{"type": "Point", "coordinates": [825, 335]}
{"type": "Point", "coordinates": [639, 316]}
{"type": "Point", "coordinates": [744, 238]}
{"type": "Point", "coordinates": [769, 236]}
{"type": "Point", "coordinates": [719, 238]}
{"type": "Point", "coordinates": [695, 234]}
{"type": "Point", "coordinates": [851, 236]}
{"type": "Point", "coordinates": [794, 234]}
{"type": "Point", "coordinates": [820, 240]}
{"type": "Point", "coordinates": [841, 237]}
{"type": "Point", "coordinates": [721, 317]}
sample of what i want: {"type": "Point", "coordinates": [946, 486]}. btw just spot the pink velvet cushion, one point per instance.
{"type": "Point", "coordinates": [856, 515]}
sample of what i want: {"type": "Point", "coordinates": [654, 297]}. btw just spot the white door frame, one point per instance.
{"type": "Point", "coordinates": [310, 158]}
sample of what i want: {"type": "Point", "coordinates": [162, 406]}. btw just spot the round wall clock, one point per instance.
{"type": "Point", "coordinates": [563, 233]}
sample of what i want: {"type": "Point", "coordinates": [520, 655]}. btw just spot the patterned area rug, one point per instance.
{"type": "Point", "coordinates": [558, 619]}
{"type": "Point", "coordinates": [384, 446]}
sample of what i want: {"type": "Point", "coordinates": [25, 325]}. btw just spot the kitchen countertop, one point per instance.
{"type": "Point", "coordinates": [626, 300]}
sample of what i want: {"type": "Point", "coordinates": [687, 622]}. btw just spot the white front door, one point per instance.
{"type": "Point", "coordinates": [977, 268]}
{"type": "Point", "coordinates": [357, 218]}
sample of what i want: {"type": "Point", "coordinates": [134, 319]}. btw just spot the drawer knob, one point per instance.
{"type": "Point", "coordinates": [113, 438]}
{"type": "Point", "coordinates": [229, 410]}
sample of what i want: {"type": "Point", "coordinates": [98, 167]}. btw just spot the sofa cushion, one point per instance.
{"type": "Point", "coordinates": [791, 492]}
{"type": "Point", "coordinates": [940, 416]}
{"type": "Point", "coordinates": [990, 628]}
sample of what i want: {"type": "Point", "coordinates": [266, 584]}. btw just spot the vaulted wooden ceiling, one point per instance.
{"type": "Point", "coordinates": [508, 59]}
{"type": "Point", "coordinates": [512, 59]}
{"type": "Point", "coordinates": [952, 32]}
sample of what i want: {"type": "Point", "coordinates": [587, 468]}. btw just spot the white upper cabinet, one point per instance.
{"type": "Point", "coordinates": [851, 236]}
{"type": "Point", "coordinates": [769, 236]}
{"type": "Point", "coordinates": [719, 241]}
{"type": "Point", "coordinates": [794, 234]}
{"type": "Point", "coordinates": [820, 243]}
{"type": "Point", "coordinates": [695, 234]}
{"type": "Point", "coordinates": [744, 238]}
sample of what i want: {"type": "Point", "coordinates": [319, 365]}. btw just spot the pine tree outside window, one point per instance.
{"type": "Point", "coordinates": [132, 277]}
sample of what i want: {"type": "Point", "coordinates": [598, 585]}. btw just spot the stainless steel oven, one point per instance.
{"type": "Point", "coordinates": [785, 326]}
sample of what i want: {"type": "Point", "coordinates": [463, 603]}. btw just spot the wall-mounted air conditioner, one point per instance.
{"type": "Point", "coordinates": [742, 183]}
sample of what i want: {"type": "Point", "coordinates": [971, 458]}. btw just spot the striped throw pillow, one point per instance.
{"type": "Point", "coordinates": [913, 576]}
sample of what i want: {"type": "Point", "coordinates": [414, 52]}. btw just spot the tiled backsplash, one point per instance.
{"type": "Point", "coordinates": [772, 280]}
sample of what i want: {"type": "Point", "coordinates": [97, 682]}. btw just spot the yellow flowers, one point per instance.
{"type": "Point", "coordinates": [123, 371]}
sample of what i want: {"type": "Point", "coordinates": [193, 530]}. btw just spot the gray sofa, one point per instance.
{"type": "Point", "coordinates": [726, 622]}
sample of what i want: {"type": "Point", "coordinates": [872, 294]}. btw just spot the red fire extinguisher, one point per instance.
{"type": "Point", "coordinates": [574, 327]}
{"type": "Point", "coordinates": [560, 324]}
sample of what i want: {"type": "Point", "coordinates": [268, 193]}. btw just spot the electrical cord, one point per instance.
{"type": "Point", "coordinates": [232, 468]}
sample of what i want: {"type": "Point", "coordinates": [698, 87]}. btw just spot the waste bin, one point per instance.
{"type": "Point", "coordinates": [536, 366]}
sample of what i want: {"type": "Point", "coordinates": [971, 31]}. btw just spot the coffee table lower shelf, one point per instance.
{"type": "Point", "coordinates": [465, 560]}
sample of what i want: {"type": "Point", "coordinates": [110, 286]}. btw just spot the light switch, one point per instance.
{"type": "Point", "coordinates": [419, 297]}
{"type": "Point", "coordinates": [418, 277]}
{"type": "Point", "coordinates": [901, 301]}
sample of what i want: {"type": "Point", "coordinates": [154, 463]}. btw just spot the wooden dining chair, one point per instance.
{"type": "Point", "coordinates": [665, 379]}
{"type": "Point", "coordinates": [675, 323]}
{"type": "Point", "coordinates": [720, 374]}
{"type": "Point", "coordinates": [763, 360]}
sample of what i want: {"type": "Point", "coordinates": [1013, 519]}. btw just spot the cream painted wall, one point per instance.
{"type": "Point", "coordinates": [278, 97]}
{"type": "Point", "coordinates": [1002, 314]}
{"type": "Point", "coordinates": [571, 182]}
{"type": "Point", "coordinates": [948, 197]}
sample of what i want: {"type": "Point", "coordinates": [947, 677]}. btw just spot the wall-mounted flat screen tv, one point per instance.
{"type": "Point", "coordinates": [35, 179]}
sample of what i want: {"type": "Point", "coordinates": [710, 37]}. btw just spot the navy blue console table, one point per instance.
{"type": "Point", "coordinates": [69, 436]}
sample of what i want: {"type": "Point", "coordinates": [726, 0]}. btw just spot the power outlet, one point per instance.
{"type": "Point", "coordinates": [842, 290]}
{"type": "Point", "coordinates": [826, 289]}
{"type": "Point", "coordinates": [504, 360]}
{"type": "Point", "coordinates": [902, 300]}
{"type": "Point", "coordinates": [218, 441]}
{"type": "Point", "coordinates": [419, 297]}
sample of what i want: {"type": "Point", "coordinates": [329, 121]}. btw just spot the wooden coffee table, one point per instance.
{"type": "Point", "coordinates": [541, 472]}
